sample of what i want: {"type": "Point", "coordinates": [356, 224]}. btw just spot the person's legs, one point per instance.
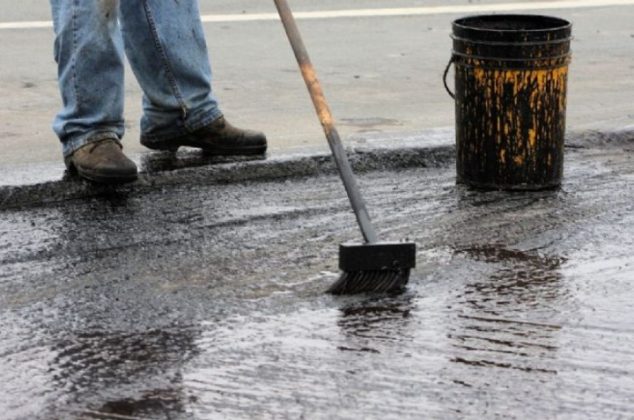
{"type": "Point", "coordinates": [89, 54]}
{"type": "Point", "coordinates": [165, 45]}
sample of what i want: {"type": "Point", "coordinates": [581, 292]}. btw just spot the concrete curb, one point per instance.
{"type": "Point", "coordinates": [433, 148]}
{"type": "Point", "coordinates": [363, 158]}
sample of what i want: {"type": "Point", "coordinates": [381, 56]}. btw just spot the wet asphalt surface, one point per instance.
{"type": "Point", "coordinates": [207, 301]}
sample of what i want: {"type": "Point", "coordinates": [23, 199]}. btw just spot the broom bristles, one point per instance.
{"type": "Point", "coordinates": [374, 281]}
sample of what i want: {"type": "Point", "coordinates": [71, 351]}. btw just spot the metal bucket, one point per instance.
{"type": "Point", "coordinates": [511, 75]}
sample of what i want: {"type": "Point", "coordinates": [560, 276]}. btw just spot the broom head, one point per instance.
{"type": "Point", "coordinates": [374, 268]}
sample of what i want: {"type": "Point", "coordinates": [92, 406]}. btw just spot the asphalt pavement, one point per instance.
{"type": "Point", "coordinates": [204, 298]}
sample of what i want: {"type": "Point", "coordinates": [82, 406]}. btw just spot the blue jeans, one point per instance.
{"type": "Point", "coordinates": [165, 45]}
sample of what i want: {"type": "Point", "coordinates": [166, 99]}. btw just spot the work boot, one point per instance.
{"type": "Point", "coordinates": [218, 138]}
{"type": "Point", "coordinates": [102, 161]}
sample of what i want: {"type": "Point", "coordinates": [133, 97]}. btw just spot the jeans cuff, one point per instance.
{"type": "Point", "coordinates": [201, 119]}
{"type": "Point", "coordinates": [193, 122]}
{"type": "Point", "coordinates": [69, 146]}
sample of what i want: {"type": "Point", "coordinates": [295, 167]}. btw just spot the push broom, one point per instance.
{"type": "Point", "coordinates": [372, 266]}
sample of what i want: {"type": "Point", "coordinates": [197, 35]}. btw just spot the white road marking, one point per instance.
{"type": "Point", "coordinates": [403, 11]}
{"type": "Point", "coordinates": [26, 25]}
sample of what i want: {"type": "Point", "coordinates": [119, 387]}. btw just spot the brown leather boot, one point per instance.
{"type": "Point", "coordinates": [102, 161]}
{"type": "Point", "coordinates": [218, 138]}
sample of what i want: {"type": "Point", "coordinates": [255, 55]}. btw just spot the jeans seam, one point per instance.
{"type": "Point", "coordinates": [74, 55]}
{"type": "Point", "coordinates": [163, 54]}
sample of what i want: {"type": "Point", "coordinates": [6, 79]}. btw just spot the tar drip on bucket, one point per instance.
{"type": "Point", "coordinates": [511, 75]}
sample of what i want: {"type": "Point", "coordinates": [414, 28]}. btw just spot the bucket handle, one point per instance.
{"type": "Point", "coordinates": [444, 77]}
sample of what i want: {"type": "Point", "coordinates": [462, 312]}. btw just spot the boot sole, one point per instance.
{"type": "Point", "coordinates": [214, 150]}
{"type": "Point", "coordinates": [101, 178]}
{"type": "Point", "coordinates": [256, 150]}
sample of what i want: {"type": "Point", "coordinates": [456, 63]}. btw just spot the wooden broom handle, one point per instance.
{"type": "Point", "coordinates": [326, 120]}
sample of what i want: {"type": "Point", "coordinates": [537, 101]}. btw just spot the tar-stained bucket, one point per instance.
{"type": "Point", "coordinates": [511, 75]}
